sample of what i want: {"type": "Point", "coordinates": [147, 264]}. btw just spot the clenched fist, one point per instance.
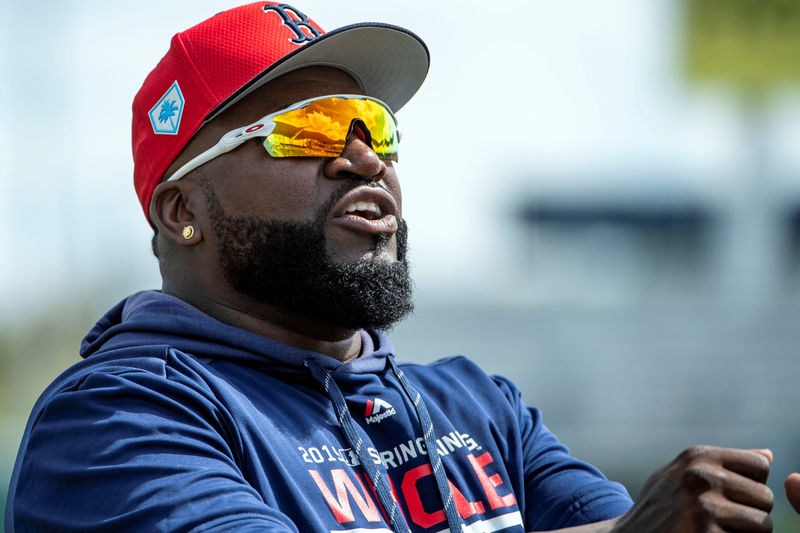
{"type": "Point", "coordinates": [705, 490]}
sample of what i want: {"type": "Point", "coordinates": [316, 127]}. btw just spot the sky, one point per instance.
{"type": "Point", "coordinates": [577, 97]}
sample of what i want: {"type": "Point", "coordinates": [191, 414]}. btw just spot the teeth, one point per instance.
{"type": "Point", "coordinates": [364, 207]}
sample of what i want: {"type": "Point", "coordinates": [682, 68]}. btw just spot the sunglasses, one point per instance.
{"type": "Point", "coordinates": [317, 127]}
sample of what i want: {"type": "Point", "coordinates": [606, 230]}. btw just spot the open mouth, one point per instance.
{"type": "Point", "coordinates": [367, 210]}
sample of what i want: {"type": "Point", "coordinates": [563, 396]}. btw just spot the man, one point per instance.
{"type": "Point", "coordinates": [256, 390]}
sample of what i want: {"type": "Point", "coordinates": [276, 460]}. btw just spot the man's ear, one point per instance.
{"type": "Point", "coordinates": [173, 211]}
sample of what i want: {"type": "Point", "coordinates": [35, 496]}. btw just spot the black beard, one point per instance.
{"type": "Point", "coordinates": [286, 264]}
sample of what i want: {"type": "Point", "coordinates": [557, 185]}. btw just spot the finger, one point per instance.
{"type": "Point", "coordinates": [744, 518]}
{"type": "Point", "coordinates": [792, 486]}
{"type": "Point", "coordinates": [766, 452]}
{"type": "Point", "coordinates": [754, 465]}
{"type": "Point", "coordinates": [707, 477]}
{"type": "Point", "coordinates": [745, 491]}
{"type": "Point", "coordinates": [733, 516]}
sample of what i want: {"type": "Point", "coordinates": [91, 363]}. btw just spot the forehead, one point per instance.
{"type": "Point", "coordinates": [282, 92]}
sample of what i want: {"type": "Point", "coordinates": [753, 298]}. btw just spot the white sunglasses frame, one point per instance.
{"type": "Point", "coordinates": [263, 127]}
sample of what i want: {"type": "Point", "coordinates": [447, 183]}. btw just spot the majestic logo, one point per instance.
{"type": "Point", "coordinates": [297, 24]}
{"type": "Point", "coordinates": [166, 114]}
{"type": "Point", "coordinates": [378, 410]}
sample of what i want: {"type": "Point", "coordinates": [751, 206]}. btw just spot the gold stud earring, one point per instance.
{"type": "Point", "coordinates": [188, 232]}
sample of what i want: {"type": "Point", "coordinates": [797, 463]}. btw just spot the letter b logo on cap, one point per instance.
{"type": "Point", "coordinates": [295, 24]}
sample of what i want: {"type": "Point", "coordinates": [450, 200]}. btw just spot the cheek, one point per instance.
{"type": "Point", "coordinates": [291, 191]}
{"type": "Point", "coordinates": [283, 189]}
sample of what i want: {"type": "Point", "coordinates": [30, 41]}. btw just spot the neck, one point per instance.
{"type": "Point", "coordinates": [277, 324]}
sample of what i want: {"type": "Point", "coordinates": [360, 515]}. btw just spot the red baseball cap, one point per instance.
{"type": "Point", "coordinates": [214, 64]}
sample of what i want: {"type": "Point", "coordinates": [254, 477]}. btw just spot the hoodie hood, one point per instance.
{"type": "Point", "coordinates": [152, 318]}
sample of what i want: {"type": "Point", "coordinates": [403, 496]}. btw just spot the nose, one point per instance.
{"type": "Point", "coordinates": [357, 160]}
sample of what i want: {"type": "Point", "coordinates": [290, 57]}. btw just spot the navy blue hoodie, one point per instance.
{"type": "Point", "coordinates": [175, 421]}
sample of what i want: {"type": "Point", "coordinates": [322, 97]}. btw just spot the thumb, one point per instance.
{"type": "Point", "coordinates": [792, 485]}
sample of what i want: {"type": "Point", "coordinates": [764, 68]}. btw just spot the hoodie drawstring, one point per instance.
{"type": "Point", "coordinates": [453, 520]}
{"type": "Point", "coordinates": [379, 478]}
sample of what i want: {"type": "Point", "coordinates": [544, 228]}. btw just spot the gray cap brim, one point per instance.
{"type": "Point", "coordinates": [388, 62]}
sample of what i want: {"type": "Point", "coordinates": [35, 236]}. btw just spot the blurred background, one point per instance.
{"type": "Point", "coordinates": [603, 199]}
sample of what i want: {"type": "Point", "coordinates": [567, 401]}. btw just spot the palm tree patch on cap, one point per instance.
{"type": "Point", "coordinates": [165, 116]}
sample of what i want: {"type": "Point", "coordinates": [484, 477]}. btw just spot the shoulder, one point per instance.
{"type": "Point", "coordinates": [155, 360]}
{"type": "Point", "coordinates": [114, 424]}
{"type": "Point", "coordinates": [121, 378]}
{"type": "Point", "coordinates": [120, 392]}
{"type": "Point", "coordinates": [460, 369]}
{"type": "Point", "coordinates": [447, 365]}
{"type": "Point", "coordinates": [458, 377]}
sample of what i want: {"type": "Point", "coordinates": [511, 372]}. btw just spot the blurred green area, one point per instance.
{"type": "Point", "coordinates": [751, 44]}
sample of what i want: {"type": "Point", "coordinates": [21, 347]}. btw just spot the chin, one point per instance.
{"type": "Point", "coordinates": [386, 253]}
{"type": "Point", "coordinates": [381, 255]}
{"type": "Point", "coordinates": [371, 256]}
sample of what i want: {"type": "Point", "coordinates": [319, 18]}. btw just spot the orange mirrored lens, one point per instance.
{"type": "Point", "coordinates": [320, 129]}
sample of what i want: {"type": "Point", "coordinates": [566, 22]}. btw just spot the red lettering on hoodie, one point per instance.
{"type": "Point", "coordinates": [490, 483]}
{"type": "Point", "coordinates": [340, 504]}
{"type": "Point", "coordinates": [419, 515]}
